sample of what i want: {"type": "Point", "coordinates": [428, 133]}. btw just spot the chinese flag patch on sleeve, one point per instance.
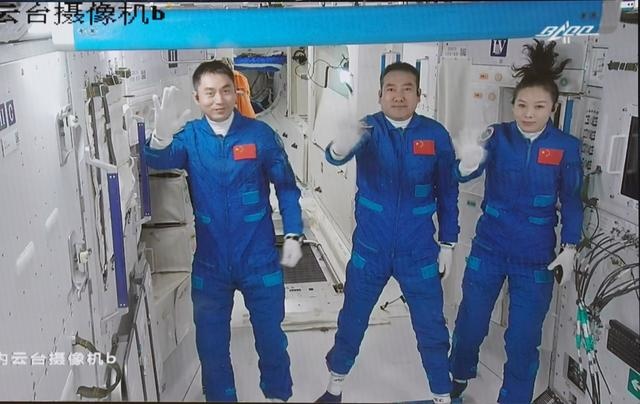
{"type": "Point", "coordinates": [550, 156]}
{"type": "Point", "coordinates": [424, 147]}
{"type": "Point", "coordinates": [244, 151]}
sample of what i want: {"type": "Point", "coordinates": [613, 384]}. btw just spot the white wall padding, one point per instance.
{"type": "Point", "coordinates": [170, 201]}
{"type": "Point", "coordinates": [170, 248]}
{"type": "Point", "coordinates": [183, 310]}
{"type": "Point", "coordinates": [453, 93]}
{"type": "Point", "coordinates": [162, 311]}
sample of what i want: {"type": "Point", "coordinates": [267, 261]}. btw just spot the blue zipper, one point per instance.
{"type": "Point", "coordinates": [399, 155]}
{"type": "Point", "coordinates": [226, 201]}
{"type": "Point", "coordinates": [529, 142]}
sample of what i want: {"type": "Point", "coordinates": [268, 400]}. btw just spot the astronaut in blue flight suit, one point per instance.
{"type": "Point", "coordinates": [230, 160]}
{"type": "Point", "coordinates": [405, 165]}
{"type": "Point", "coordinates": [529, 165]}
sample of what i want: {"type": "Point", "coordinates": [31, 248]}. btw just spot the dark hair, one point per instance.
{"type": "Point", "coordinates": [213, 67]}
{"type": "Point", "coordinates": [402, 67]}
{"type": "Point", "coordinates": [541, 71]}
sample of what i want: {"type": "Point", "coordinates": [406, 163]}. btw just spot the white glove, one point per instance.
{"type": "Point", "coordinates": [564, 261]}
{"type": "Point", "coordinates": [471, 151]}
{"type": "Point", "coordinates": [445, 260]}
{"type": "Point", "coordinates": [471, 156]}
{"type": "Point", "coordinates": [350, 135]}
{"type": "Point", "coordinates": [441, 399]}
{"type": "Point", "coordinates": [291, 252]}
{"type": "Point", "coordinates": [169, 120]}
{"type": "Point", "coordinates": [350, 131]}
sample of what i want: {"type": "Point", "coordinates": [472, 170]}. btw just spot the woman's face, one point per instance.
{"type": "Point", "coordinates": [532, 108]}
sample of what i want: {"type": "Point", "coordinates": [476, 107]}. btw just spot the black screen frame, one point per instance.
{"type": "Point", "coordinates": [630, 186]}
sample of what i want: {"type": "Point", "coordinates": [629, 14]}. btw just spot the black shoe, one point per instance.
{"type": "Point", "coordinates": [329, 398]}
{"type": "Point", "coordinates": [458, 388]}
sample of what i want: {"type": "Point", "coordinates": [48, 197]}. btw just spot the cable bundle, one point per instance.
{"type": "Point", "coordinates": [620, 281]}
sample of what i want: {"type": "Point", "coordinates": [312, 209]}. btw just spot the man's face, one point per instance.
{"type": "Point", "coordinates": [399, 95]}
{"type": "Point", "coordinates": [532, 108]}
{"type": "Point", "coordinates": [216, 96]}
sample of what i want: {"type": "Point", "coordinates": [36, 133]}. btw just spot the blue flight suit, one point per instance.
{"type": "Point", "coordinates": [404, 176]}
{"type": "Point", "coordinates": [229, 183]}
{"type": "Point", "coordinates": [515, 238]}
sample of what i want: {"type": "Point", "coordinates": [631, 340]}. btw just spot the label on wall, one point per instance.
{"type": "Point", "coordinates": [3, 117]}
{"type": "Point", "coordinates": [11, 112]}
{"type": "Point", "coordinates": [634, 383]}
{"type": "Point", "coordinates": [499, 47]}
